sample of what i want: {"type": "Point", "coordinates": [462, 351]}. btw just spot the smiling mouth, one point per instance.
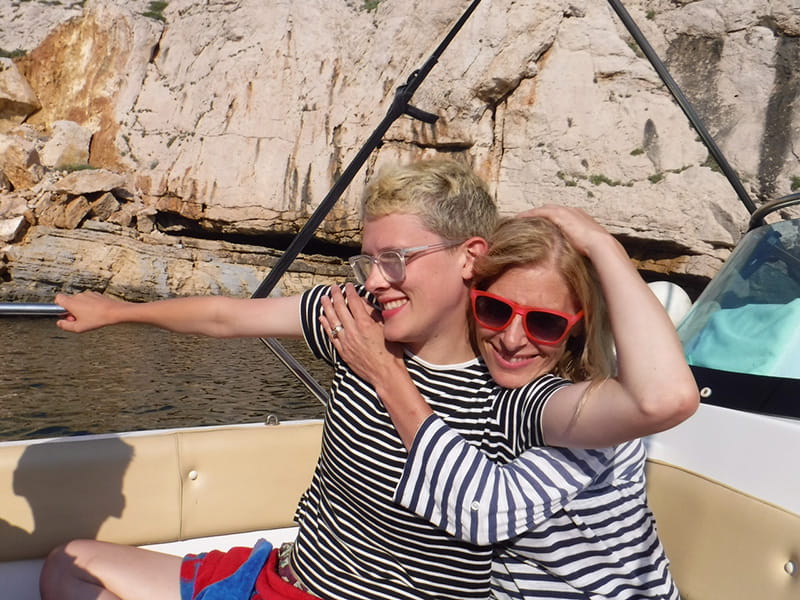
{"type": "Point", "coordinates": [513, 360]}
{"type": "Point", "coordinates": [393, 304]}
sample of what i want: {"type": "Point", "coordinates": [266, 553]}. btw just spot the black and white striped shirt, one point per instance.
{"type": "Point", "coordinates": [354, 540]}
{"type": "Point", "coordinates": [566, 523]}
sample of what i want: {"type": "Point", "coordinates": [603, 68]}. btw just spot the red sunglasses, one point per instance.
{"type": "Point", "coordinates": [542, 326]}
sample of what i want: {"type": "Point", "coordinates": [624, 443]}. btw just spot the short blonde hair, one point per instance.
{"type": "Point", "coordinates": [449, 198]}
{"type": "Point", "coordinates": [532, 241]}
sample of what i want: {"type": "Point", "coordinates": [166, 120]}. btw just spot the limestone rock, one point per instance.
{"type": "Point", "coordinates": [49, 214]}
{"type": "Point", "coordinates": [105, 206]}
{"type": "Point", "coordinates": [104, 257]}
{"type": "Point", "coordinates": [23, 25]}
{"type": "Point", "coordinates": [73, 213]}
{"type": "Point", "coordinates": [233, 118]}
{"type": "Point", "coordinates": [11, 230]}
{"type": "Point", "coordinates": [19, 161]}
{"type": "Point", "coordinates": [90, 181]}
{"type": "Point", "coordinates": [96, 66]}
{"type": "Point", "coordinates": [12, 205]}
{"type": "Point", "coordinates": [126, 216]}
{"type": "Point", "coordinates": [15, 218]}
{"type": "Point", "coordinates": [67, 146]}
{"type": "Point", "coordinates": [787, 17]}
{"type": "Point", "coordinates": [17, 98]}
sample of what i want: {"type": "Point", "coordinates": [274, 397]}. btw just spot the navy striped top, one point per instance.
{"type": "Point", "coordinates": [566, 523]}
{"type": "Point", "coordinates": [354, 540]}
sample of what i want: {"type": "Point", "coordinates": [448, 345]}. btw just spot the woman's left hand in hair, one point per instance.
{"type": "Point", "coordinates": [653, 389]}
{"type": "Point", "coordinates": [581, 230]}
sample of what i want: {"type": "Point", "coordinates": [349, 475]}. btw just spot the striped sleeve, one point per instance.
{"type": "Point", "coordinates": [453, 485]}
{"type": "Point", "coordinates": [317, 340]}
{"type": "Point", "coordinates": [310, 311]}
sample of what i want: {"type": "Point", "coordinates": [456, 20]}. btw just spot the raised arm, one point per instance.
{"type": "Point", "coordinates": [452, 484]}
{"type": "Point", "coordinates": [214, 316]}
{"type": "Point", "coordinates": [654, 389]}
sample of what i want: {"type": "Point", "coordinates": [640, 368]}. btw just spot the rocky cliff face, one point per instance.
{"type": "Point", "coordinates": [214, 128]}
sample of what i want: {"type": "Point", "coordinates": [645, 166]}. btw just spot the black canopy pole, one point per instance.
{"type": "Point", "coordinates": [683, 102]}
{"type": "Point", "coordinates": [399, 106]}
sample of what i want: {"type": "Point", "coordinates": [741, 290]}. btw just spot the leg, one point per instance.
{"type": "Point", "coordinates": [91, 570]}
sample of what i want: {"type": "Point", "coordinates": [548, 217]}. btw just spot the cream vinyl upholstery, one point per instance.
{"type": "Point", "coordinates": [721, 542]}
{"type": "Point", "coordinates": [175, 485]}
{"type": "Point", "coordinates": [156, 487]}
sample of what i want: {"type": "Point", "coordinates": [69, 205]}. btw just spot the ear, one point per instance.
{"type": "Point", "coordinates": [473, 247]}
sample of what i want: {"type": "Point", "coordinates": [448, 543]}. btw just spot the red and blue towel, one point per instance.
{"type": "Point", "coordinates": [238, 574]}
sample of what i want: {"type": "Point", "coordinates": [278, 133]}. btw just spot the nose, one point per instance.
{"type": "Point", "coordinates": [514, 336]}
{"type": "Point", "coordinates": [375, 280]}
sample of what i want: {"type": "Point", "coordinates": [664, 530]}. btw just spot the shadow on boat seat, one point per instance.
{"type": "Point", "coordinates": [723, 543]}
{"type": "Point", "coordinates": [151, 488]}
{"type": "Point", "coordinates": [47, 475]}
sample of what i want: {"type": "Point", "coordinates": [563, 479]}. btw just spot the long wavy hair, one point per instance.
{"type": "Point", "coordinates": [535, 241]}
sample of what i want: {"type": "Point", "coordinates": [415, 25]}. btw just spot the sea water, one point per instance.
{"type": "Point", "coordinates": [135, 377]}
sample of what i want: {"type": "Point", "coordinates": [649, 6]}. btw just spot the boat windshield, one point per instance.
{"type": "Point", "coordinates": [748, 318]}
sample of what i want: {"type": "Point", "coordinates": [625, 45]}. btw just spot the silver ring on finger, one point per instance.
{"type": "Point", "coordinates": [336, 331]}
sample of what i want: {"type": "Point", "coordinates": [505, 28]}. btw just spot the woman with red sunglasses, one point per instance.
{"type": "Point", "coordinates": [569, 330]}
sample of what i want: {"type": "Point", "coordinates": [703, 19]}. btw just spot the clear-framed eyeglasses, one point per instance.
{"type": "Point", "coordinates": [392, 262]}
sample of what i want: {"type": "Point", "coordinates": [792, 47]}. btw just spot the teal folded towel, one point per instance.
{"type": "Point", "coordinates": [759, 339]}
